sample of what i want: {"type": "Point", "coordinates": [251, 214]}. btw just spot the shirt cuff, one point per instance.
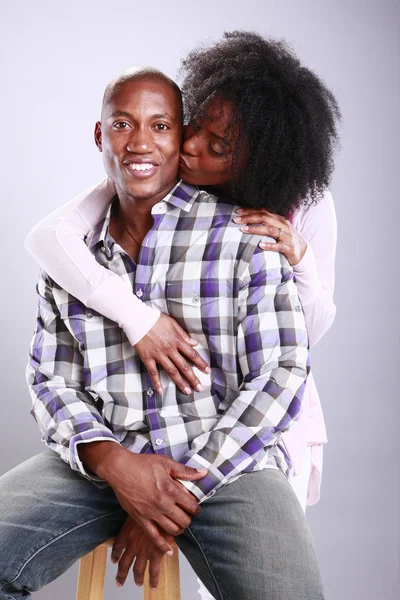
{"type": "Point", "coordinates": [306, 274]}
{"type": "Point", "coordinates": [142, 325]}
{"type": "Point", "coordinates": [93, 435]}
{"type": "Point", "coordinates": [207, 486]}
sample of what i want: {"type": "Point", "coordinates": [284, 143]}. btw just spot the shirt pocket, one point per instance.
{"type": "Point", "coordinates": [89, 328]}
{"type": "Point", "coordinates": [196, 305]}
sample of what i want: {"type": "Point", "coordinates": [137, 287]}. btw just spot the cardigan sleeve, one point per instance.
{"type": "Point", "coordinates": [57, 244]}
{"type": "Point", "coordinates": [315, 273]}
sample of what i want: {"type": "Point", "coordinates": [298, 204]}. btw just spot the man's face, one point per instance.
{"type": "Point", "coordinates": [139, 136]}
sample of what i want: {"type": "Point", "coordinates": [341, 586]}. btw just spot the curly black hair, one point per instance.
{"type": "Point", "coordinates": [287, 118]}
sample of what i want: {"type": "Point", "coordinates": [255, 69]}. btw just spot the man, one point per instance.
{"type": "Point", "coordinates": [164, 454]}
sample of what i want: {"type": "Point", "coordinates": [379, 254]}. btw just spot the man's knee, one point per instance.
{"type": "Point", "coordinates": [49, 517]}
{"type": "Point", "coordinates": [254, 534]}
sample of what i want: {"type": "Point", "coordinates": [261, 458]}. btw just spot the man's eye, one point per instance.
{"type": "Point", "coordinates": [162, 127]}
{"type": "Point", "coordinates": [120, 125]}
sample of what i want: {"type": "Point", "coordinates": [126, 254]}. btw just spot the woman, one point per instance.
{"type": "Point", "coordinates": [261, 129]}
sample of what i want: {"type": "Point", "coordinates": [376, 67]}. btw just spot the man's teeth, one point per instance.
{"type": "Point", "coordinates": [141, 166]}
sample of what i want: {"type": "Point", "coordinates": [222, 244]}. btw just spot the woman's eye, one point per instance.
{"type": "Point", "coordinates": [216, 149]}
{"type": "Point", "coordinates": [162, 127]}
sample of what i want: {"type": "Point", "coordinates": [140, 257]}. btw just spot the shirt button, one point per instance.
{"type": "Point", "coordinates": [297, 308]}
{"type": "Point", "coordinates": [159, 441]}
{"type": "Point", "coordinates": [139, 293]}
{"type": "Point", "coordinates": [89, 315]}
{"type": "Point", "coordinates": [103, 249]}
{"type": "Point", "coordinates": [150, 392]}
{"type": "Point", "coordinates": [196, 299]}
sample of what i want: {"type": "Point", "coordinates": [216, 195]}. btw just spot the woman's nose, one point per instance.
{"type": "Point", "coordinates": [192, 145]}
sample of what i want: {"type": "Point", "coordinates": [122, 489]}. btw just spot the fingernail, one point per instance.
{"type": "Point", "coordinates": [170, 553]}
{"type": "Point", "coordinates": [139, 584]}
{"type": "Point", "coordinates": [199, 388]}
{"type": "Point", "coordinates": [244, 228]}
{"type": "Point", "coordinates": [237, 219]}
{"type": "Point", "coordinates": [207, 370]}
{"type": "Point", "coordinates": [153, 589]}
{"type": "Point", "coordinates": [186, 391]}
{"type": "Point", "coordinates": [114, 560]}
{"type": "Point", "coordinates": [263, 246]}
{"type": "Point", "coordinates": [239, 210]}
{"type": "Point", "coordinates": [118, 583]}
{"type": "Point", "coordinates": [159, 390]}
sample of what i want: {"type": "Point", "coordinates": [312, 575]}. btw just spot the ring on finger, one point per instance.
{"type": "Point", "coordinates": [280, 234]}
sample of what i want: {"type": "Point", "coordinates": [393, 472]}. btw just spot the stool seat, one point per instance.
{"type": "Point", "coordinates": [92, 570]}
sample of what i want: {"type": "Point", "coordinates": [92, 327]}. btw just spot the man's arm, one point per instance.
{"type": "Point", "coordinates": [66, 414]}
{"type": "Point", "coordinates": [145, 485]}
{"type": "Point", "coordinates": [273, 355]}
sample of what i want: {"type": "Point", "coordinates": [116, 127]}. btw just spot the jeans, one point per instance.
{"type": "Point", "coordinates": [250, 541]}
{"type": "Point", "coordinates": [299, 483]}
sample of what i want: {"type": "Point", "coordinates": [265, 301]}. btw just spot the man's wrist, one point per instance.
{"type": "Point", "coordinates": [100, 457]}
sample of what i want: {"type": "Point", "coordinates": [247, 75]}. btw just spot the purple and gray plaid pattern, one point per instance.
{"type": "Point", "coordinates": [87, 383]}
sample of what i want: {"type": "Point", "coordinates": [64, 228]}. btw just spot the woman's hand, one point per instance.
{"type": "Point", "coordinates": [169, 346]}
{"type": "Point", "coordinates": [261, 222]}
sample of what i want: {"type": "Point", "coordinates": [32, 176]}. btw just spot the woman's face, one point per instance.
{"type": "Point", "coordinates": [206, 159]}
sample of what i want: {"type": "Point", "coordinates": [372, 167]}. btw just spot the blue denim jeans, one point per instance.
{"type": "Point", "coordinates": [250, 541]}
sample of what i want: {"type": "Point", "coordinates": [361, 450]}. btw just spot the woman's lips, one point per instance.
{"type": "Point", "coordinates": [183, 164]}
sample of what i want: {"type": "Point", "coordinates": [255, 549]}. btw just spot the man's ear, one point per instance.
{"type": "Point", "coordinates": [97, 136]}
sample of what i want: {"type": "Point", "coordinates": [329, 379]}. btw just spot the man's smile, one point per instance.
{"type": "Point", "coordinates": [141, 167]}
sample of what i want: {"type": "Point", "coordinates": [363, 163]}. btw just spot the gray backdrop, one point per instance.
{"type": "Point", "coordinates": [56, 59]}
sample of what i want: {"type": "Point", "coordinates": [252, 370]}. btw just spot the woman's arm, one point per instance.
{"type": "Point", "coordinates": [315, 273]}
{"type": "Point", "coordinates": [57, 244]}
{"type": "Point", "coordinates": [309, 243]}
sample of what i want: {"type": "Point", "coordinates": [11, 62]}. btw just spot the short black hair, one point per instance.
{"type": "Point", "coordinates": [136, 73]}
{"type": "Point", "coordinates": [286, 116]}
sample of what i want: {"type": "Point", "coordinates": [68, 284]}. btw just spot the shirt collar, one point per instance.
{"type": "Point", "coordinates": [181, 196]}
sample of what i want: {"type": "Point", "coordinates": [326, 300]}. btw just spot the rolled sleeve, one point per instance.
{"type": "Point", "coordinates": [65, 412]}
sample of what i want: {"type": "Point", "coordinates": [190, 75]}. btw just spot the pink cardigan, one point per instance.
{"type": "Point", "coordinates": [57, 244]}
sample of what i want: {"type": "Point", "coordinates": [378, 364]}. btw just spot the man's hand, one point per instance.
{"type": "Point", "coordinates": [168, 345]}
{"type": "Point", "coordinates": [145, 487]}
{"type": "Point", "coordinates": [133, 544]}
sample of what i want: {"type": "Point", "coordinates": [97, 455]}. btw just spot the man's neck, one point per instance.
{"type": "Point", "coordinates": [136, 212]}
{"type": "Point", "coordinates": [133, 220]}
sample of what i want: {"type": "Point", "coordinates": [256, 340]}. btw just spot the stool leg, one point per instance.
{"type": "Point", "coordinates": [169, 583]}
{"type": "Point", "coordinates": [92, 570]}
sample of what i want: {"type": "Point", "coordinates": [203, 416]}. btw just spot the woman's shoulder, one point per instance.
{"type": "Point", "coordinates": [314, 213]}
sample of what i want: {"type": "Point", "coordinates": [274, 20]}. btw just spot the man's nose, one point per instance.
{"type": "Point", "coordinates": [140, 141]}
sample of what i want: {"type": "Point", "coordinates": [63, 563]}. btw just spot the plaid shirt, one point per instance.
{"type": "Point", "coordinates": [240, 303]}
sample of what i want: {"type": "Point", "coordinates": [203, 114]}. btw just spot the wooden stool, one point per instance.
{"type": "Point", "coordinates": [92, 570]}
